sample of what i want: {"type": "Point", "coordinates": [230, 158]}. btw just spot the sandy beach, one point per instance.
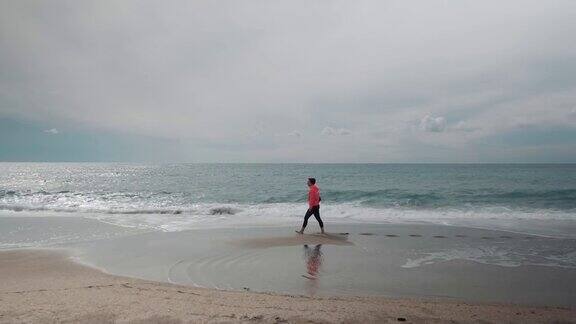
{"type": "Point", "coordinates": [45, 286]}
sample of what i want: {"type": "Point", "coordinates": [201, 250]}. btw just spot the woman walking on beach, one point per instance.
{"type": "Point", "coordinates": [313, 205]}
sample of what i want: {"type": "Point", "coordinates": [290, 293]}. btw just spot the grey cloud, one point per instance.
{"type": "Point", "coordinates": [294, 133]}
{"type": "Point", "coordinates": [329, 131]}
{"type": "Point", "coordinates": [51, 131]}
{"type": "Point", "coordinates": [462, 126]}
{"type": "Point", "coordinates": [234, 74]}
{"type": "Point", "coordinates": [433, 124]}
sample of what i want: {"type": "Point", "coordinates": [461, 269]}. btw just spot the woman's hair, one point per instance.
{"type": "Point", "coordinates": [312, 180]}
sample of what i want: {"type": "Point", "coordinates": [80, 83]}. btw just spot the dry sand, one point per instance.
{"type": "Point", "coordinates": [45, 286]}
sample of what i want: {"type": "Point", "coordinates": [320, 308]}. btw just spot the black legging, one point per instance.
{"type": "Point", "coordinates": [313, 211]}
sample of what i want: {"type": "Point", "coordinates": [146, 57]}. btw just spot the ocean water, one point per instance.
{"type": "Point", "coordinates": [535, 198]}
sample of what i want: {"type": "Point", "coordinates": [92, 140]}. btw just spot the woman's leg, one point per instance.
{"type": "Point", "coordinates": [309, 213]}
{"type": "Point", "coordinates": [316, 211]}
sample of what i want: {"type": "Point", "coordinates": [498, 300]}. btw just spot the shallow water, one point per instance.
{"type": "Point", "coordinates": [394, 260]}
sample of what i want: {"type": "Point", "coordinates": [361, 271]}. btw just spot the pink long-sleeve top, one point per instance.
{"type": "Point", "coordinates": [313, 196]}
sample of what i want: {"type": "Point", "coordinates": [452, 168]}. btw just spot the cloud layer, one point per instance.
{"type": "Point", "coordinates": [285, 80]}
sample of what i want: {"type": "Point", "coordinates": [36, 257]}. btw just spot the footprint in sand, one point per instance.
{"type": "Point", "coordinates": [415, 235]}
{"type": "Point", "coordinates": [367, 234]}
{"type": "Point", "coordinates": [391, 235]}
{"type": "Point", "coordinates": [439, 236]}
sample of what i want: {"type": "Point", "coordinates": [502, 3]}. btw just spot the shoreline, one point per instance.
{"type": "Point", "coordinates": [46, 285]}
{"type": "Point", "coordinates": [393, 260]}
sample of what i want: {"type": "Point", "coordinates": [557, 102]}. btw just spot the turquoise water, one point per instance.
{"type": "Point", "coordinates": [175, 197]}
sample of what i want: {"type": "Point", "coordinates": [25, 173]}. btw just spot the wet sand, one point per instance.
{"type": "Point", "coordinates": [45, 286]}
{"type": "Point", "coordinates": [293, 240]}
{"type": "Point", "coordinates": [393, 260]}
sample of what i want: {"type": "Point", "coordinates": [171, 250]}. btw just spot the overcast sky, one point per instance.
{"type": "Point", "coordinates": [288, 81]}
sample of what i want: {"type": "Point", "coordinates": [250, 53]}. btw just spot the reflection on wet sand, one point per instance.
{"type": "Point", "coordinates": [314, 260]}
